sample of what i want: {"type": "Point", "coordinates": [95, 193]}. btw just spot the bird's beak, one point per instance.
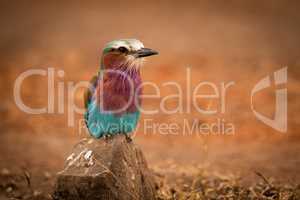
{"type": "Point", "coordinates": [144, 52]}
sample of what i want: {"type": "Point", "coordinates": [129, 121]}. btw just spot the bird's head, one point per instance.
{"type": "Point", "coordinates": [125, 54]}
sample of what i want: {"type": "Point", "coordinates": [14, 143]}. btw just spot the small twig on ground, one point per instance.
{"type": "Point", "coordinates": [27, 177]}
{"type": "Point", "coordinates": [263, 178]}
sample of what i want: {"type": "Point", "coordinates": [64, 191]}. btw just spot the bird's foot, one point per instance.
{"type": "Point", "coordinates": [128, 138]}
{"type": "Point", "coordinates": [107, 137]}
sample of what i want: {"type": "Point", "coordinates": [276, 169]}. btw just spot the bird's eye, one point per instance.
{"type": "Point", "coordinates": [123, 49]}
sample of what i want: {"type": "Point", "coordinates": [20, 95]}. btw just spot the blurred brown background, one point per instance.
{"type": "Point", "coordinates": [240, 41]}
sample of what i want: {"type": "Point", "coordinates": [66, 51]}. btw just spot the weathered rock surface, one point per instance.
{"type": "Point", "coordinates": [112, 168]}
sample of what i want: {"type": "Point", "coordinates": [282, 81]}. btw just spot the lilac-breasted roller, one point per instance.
{"type": "Point", "coordinates": [113, 100]}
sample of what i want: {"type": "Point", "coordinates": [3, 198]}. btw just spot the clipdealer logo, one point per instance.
{"type": "Point", "coordinates": [279, 122]}
{"type": "Point", "coordinates": [56, 95]}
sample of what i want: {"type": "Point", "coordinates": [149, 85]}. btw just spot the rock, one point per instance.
{"type": "Point", "coordinates": [108, 168]}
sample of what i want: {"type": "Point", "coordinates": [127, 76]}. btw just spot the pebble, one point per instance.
{"type": "Point", "coordinates": [37, 193]}
{"type": "Point", "coordinates": [5, 172]}
{"type": "Point", "coordinates": [47, 175]}
{"type": "Point", "coordinates": [9, 189]}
